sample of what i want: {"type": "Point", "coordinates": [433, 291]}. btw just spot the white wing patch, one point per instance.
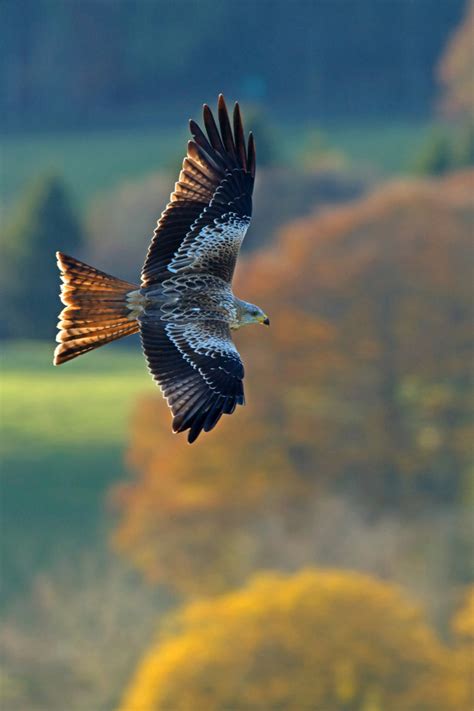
{"type": "Point", "coordinates": [210, 338]}
{"type": "Point", "coordinates": [214, 246]}
{"type": "Point", "coordinates": [195, 296]}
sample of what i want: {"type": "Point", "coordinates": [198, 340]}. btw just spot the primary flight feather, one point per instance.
{"type": "Point", "coordinates": [184, 309]}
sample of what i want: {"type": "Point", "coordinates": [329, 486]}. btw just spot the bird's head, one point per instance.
{"type": "Point", "coordinates": [249, 313]}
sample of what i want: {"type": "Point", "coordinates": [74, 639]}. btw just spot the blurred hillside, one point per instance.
{"type": "Point", "coordinates": [76, 64]}
{"type": "Point", "coordinates": [349, 472]}
{"type": "Point", "coordinates": [353, 450]}
{"type": "Point", "coordinates": [360, 388]}
{"type": "Point", "coordinates": [120, 222]}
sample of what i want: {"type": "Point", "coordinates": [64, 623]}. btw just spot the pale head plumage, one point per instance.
{"type": "Point", "coordinates": [248, 314]}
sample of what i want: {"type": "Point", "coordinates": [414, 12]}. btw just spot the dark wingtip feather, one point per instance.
{"type": "Point", "coordinates": [225, 145]}
{"type": "Point", "coordinates": [224, 123]}
{"type": "Point", "coordinates": [212, 131]}
{"type": "Point", "coordinates": [251, 157]}
{"type": "Point", "coordinates": [201, 139]}
{"type": "Point", "coordinates": [214, 414]}
{"type": "Point", "coordinates": [239, 137]}
{"type": "Point", "coordinates": [197, 425]}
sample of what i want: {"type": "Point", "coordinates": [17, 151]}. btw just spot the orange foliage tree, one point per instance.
{"type": "Point", "coordinates": [337, 641]}
{"type": "Point", "coordinates": [360, 385]}
{"type": "Point", "coordinates": [463, 622]}
{"type": "Point", "coordinates": [456, 69]}
{"type": "Point", "coordinates": [463, 629]}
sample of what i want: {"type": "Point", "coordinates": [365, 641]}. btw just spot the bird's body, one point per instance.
{"type": "Point", "coordinates": [192, 299]}
{"type": "Point", "coordinates": [184, 309]}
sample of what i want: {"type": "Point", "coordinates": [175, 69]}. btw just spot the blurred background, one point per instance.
{"type": "Point", "coordinates": [315, 550]}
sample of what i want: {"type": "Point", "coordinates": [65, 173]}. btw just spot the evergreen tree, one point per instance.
{"type": "Point", "coordinates": [44, 221]}
{"type": "Point", "coordinates": [435, 157]}
{"type": "Point", "coordinates": [464, 146]}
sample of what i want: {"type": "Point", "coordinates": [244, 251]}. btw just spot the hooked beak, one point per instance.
{"type": "Point", "coordinates": [266, 321]}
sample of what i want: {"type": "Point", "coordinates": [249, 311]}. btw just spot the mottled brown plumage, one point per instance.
{"type": "Point", "coordinates": [184, 308]}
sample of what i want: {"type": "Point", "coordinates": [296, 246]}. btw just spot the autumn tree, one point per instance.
{"type": "Point", "coordinates": [456, 69]}
{"type": "Point", "coordinates": [320, 639]}
{"type": "Point", "coordinates": [463, 620]}
{"type": "Point", "coordinates": [463, 632]}
{"type": "Point", "coordinates": [360, 386]}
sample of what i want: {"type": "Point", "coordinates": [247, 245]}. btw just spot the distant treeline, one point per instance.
{"type": "Point", "coordinates": [80, 62]}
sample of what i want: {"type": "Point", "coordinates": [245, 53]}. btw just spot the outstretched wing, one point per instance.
{"type": "Point", "coordinates": [198, 369]}
{"type": "Point", "coordinates": [209, 211]}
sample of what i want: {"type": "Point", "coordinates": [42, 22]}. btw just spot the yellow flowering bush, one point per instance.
{"type": "Point", "coordinates": [463, 629]}
{"type": "Point", "coordinates": [320, 640]}
{"type": "Point", "coordinates": [463, 621]}
{"type": "Point", "coordinates": [360, 386]}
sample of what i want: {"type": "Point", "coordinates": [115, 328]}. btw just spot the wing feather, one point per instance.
{"type": "Point", "coordinates": [216, 179]}
{"type": "Point", "coordinates": [198, 369]}
{"type": "Point", "coordinates": [226, 131]}
{"type": "Point", "coordinates": [251, 156]}
{"type": "Point", "coordinates": [198, 236]}
{"type": "Point", "coordinates": [212, 130]}
{"type": "Point", "coordinates": [239, 138]}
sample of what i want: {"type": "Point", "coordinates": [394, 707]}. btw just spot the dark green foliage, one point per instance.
{"type": "Point", "coordinates": [44, 221]}
{"type": "Point", "coordinates": [463, 148]}
{"type": "Point", "coordinates": [269, 147]}
{"type": "Point", "coordinates": [73, 63]}
{"type": "Point", "coordinates": [446, 149]}
{"type": "Point", "coordinates": [435, 157]}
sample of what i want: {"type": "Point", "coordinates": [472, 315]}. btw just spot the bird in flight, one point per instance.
{"type": "Point", "coordinates": [184, 308]}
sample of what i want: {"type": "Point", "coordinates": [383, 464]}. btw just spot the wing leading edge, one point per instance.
{"type": "Point", "coordinates": [216, 180]}
{"type": "Point", "coordinates": [196, 363]}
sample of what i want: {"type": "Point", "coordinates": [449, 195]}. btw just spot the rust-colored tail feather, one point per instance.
{"type": "Point", "coordinates": [95, 310]}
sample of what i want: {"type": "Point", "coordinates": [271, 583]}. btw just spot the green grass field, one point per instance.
{"type": "Point", "coordinates": [97, 160]}
{"type": "Point", "coordinates": [64, 433]}
{"type": "Point", "coordinates": [89, 161]}
{"type": "Point", "coordinates": [388, 147]}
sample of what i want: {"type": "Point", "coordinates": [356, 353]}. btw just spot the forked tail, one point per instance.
{"type": "Point", "coordinates": [96, 309]}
